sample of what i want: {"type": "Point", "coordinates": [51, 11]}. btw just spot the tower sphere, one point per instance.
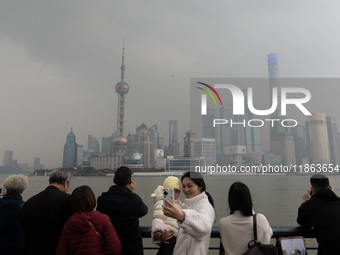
{"type": "Point", "coordinates": [120, 141]}
{"type": "Point", "coordinates": [122, 87]}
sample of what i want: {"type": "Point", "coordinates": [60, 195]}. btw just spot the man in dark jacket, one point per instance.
{"type": "Point", "coordinates": [321, 211]}
{"type": "Point", "coordinates": [124, 207]}
{"type": "Point", "coordinates": [44, 215]}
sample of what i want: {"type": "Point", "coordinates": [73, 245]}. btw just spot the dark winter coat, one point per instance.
{"type": "Point", "coordinates": [44, 216]}
{"type": "Point", "coordinates": [11, 236]}
{"type": "Point", "coordinates": [124, 209]}
{"type": "Point", "coordinates": [78, 238]}
{"type": "Point", "coordinates": [322, 212]}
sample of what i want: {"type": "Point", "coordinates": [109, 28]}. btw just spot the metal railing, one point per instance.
{"type": "Point", "coordinates": [278, 232]}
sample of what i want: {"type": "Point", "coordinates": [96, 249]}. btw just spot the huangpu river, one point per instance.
{"type": "Point", "coordinates": [276, 196]}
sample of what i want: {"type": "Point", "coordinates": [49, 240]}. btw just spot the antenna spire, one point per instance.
{"type": "Point", "coordinates": [122, 67]}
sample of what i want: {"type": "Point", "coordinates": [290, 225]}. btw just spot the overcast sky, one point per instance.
{"type": "Point", "coordinates": [60, 61]}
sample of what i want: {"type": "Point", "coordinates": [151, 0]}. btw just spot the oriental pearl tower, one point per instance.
{"type": "Point", "coordinates": [122, 88]}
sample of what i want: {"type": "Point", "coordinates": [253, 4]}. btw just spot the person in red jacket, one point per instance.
{"type": "Point", "coordinates": [87, 231]}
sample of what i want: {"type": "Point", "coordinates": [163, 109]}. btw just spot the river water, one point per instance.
{"type": "Point", "coordinates": [276, 196]}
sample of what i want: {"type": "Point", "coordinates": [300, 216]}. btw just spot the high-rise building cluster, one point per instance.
{"type": "Point", "coordinates": [144, 149]}
{"type": "Point", "coordinates": [11, 165]}
{"type": "Point", "coordinates": [315, 142]}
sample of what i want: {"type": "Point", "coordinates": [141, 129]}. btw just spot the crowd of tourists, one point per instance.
{"type": "Point", "coordinates": [55, 222]}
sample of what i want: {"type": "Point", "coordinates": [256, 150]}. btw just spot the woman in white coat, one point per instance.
{"type": "Point", "coordinates": [237, 228]}
{"type": "Point", "coordinates": [196, 219]}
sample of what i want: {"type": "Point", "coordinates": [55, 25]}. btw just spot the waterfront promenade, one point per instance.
{"type": "Point", "coordinates": [277, 197]}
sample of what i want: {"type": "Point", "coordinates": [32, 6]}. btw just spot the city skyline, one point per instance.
{"type": "Point", "coordinates": [59, 70]}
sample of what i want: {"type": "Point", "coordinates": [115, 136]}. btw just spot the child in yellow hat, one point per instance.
{"type": "Point", "coordinates": [165, 229]}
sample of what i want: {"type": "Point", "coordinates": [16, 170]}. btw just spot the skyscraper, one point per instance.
{"type": "Point", "coordinates": [143, 143]}
{"type": "Point", "coordinates": [274, 83]}
{"type": "Point", "coordinates": [226, 112]}
{"type": "Point", "coordinates": [107, 144]}
{"type": "Point", "coordinates": [333, 140]}
{"type": "Point", "coordinates": [80, 155]}
{"type": "Point", "coordinates": [122, 88]}
{"type": "Point", "coordinates": [70, 151]}
{"type": "Point", "coordinates": [208, 128]}
{"type": "Point", "coordinates": [205, 148]}
{"type": "Point", "coordinates": [300, 143]}
{"type": "Point", "coordinates": [37, 165]}
{"type": "Point", "coordinates": [189, 140]}
{"type": "Point", "coordinates": [238, 134]}
{"type": "Point", "coordinates": [154, 131]}
{"type": "Point", "coordinates": [317, 136]}
{"type": "Point", "coordinates": [252, 135]}
{"type": "Point", "coordinates": [172, 132]}
{"type": "Point", "coordinates": [283, 144]}
{"type": "Point", "coordinates": [92, 144]}
{"type": "Point", "coordinates": [8, 160]}
{"type": "Point", "coordinates": [173, 149]}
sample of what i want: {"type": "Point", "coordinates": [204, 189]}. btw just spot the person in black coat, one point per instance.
{"type": "Point", "coordinates": [124, 207]}
{"type": "Point", "coordinates": [44, 215]}
{"type": "Point", "coordinates": [321, 211]}
{"type": "Point", "coordinates": [11, 234]}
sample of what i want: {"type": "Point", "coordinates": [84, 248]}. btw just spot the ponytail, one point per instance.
{"type": "Point", "coordinates": [211, 200]}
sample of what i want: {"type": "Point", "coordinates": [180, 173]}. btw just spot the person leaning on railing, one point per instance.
{"type": "Point", "coordinates": [44, 215]}
{"type": "Point", "coordinates": [87, 231]}
{"type": "Point", "coordinates": [124, 207]}
{"type": "Point", "coordinates": [237, 228]}
{"type": "Point", "coordinates": [322, 211]}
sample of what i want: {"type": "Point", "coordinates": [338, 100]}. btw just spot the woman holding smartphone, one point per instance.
{"type": "Point", "coordinates": [237, 228]}
{"type": "Point", "coordinates": [197, 217]}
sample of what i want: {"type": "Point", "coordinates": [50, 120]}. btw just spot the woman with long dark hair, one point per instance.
{"type": "Point", "coordinates": [197, 217]}
{"type": "Point", "coordinates": [237, 228]}
{"type": "Point", "coordinates": [87, 231]}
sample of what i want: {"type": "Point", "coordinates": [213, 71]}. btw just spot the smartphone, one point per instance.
{"type": "Point", "coordinates": [3, 191]}
{"type": "Point", "coordinates": [290, 245]}
{"type": "Point", "coordinates": [311, 193]}
{"type": "Point", "coordinates": [169, 194]}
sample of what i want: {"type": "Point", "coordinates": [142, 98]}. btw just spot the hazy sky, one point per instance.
{"type": "Point", "coordinates": [60, 61]}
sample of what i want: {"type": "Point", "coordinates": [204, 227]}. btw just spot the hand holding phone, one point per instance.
{"type": "Point", "coordinates": [307, 195]}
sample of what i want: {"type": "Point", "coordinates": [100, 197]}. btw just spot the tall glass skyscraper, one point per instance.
{"type": "Point", "coordinates": [253, 140]}
{"type": "Point", "coordinates": [172, 132]}
{"type": "Point", "coordinates": [333, 138]}
{"type": "Point", "coordinates": [318, 142]}
{"type": "Point", "coordinates": [274, 82]}
{"type": "Point", "coordinates": [207, 120]}
{"type": "Point", "coordinates": [70, 151]}
{"type": "Point", "coordinates": [92, 143]}
{"type": "Point", "coordinates": [8, 158]}
{"type": "Point", "coordinates": [173, 148]}
{"type": "Point", "coordinates": [300, 144]}
{"type": "Point", "coordinates": [238, 134]}
{"type": "Point", "coordinates": [226, 112]}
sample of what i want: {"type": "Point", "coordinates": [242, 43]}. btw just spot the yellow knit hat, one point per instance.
{"type": "Point", "coordinates": [172, 182]}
